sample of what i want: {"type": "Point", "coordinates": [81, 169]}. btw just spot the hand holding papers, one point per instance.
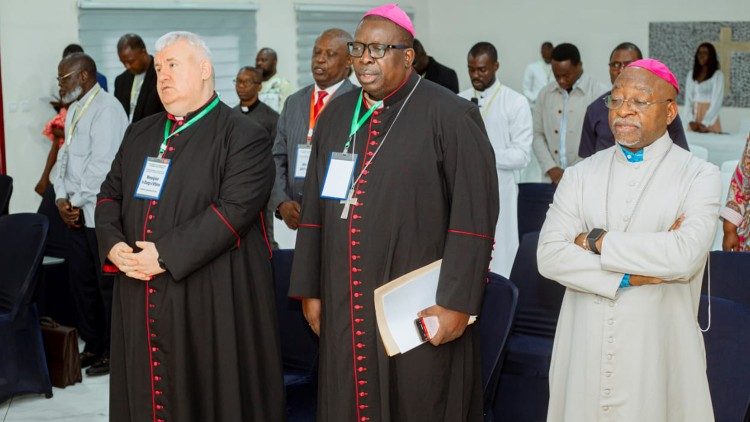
{"type": "Point", "coordinates": [399, 303]}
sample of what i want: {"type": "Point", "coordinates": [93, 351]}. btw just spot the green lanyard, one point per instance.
{"type": "Point", "coordinates": [356, 124]}
{"type": "Point", "coordinates": [168, 125]}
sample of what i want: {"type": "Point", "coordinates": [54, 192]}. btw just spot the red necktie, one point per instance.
{"type": "Point", "coordinates": [319, 104]}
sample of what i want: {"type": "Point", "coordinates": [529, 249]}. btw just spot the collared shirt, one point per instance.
{"type": "Point", "coordinates": [597, 135]}
{"type": "Point", "coordinates": [330, 90]}
{"type": "Point", "coordinates": [548, 117]}
{"type": "Point", "coordinates": [88, 155]}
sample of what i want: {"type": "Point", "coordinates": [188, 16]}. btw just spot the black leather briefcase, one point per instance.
{"type": "Point", "coordinates": [61, 348]}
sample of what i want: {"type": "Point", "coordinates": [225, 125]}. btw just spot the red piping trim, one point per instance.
{"type": "Point", "coordinates": [351, 322]}
{"type": "Point", "coordinates": [226, 223]}
{"type": "Point", "coordinates": [150, 358]}
{"type": "Point", "coordinates": [483, 236]}
{"type": "Point", "coordinates": [265, 236]}
{"type": "Point", "coordinates": [110, 269]}
{"type": "Point", "coordinates": [310, 226]}
{"type": "Point", "coordinates": [103, 200]}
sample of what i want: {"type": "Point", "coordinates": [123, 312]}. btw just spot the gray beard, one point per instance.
{"type": "Point", "coordinates": [626, 144]}
{"type": "Point", "coordinates": [72, 95]}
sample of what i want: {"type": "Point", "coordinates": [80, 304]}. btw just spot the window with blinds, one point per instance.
{"type": "Point", "coordinates": [314, 19]}
{"type": "Point", "coordinates": [229, 32]}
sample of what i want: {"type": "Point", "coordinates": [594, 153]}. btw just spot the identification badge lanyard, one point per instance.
{"type": "Point", "coordinates": [341, 166]}
{"type": "Point", "coordinates": [155, 169]}
{"type": "Point", "coordinates": [303, 150]}
{"type": "Point", "coordinates": [77, 116]}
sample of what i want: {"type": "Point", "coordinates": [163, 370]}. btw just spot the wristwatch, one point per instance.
{"type": "Point", "coordinates": [591, 239]}
{"type": "Point", "coordinates": [162, 265]}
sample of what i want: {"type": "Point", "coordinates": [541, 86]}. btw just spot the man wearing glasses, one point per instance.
{"type": "Point", "coordinates": [596, 134]}
{"type": "Point", "coordinates": [247, 85]}
{"type": "Point", "coordinates": [628, 234]}
{"type": "Point", "coordinates": [422, 187]}
{"type": "Point", "coordinates": [94, 127]}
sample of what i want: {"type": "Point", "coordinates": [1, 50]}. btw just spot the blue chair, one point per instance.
{"type": "Point", "coordinates": [523, 390]}
{"type": "Point", "coordinates": [728, 339]}
{"type": "Point", "coordinates": [495, 320]}
{"type": "Point", "coordinates": [6, 189]}
{"type": "Point", "coordinates": [299, 345]}
{"type": "Point", "coordinates": [534, 200]}
{"type": "Point", "coordinates": [23, 366]}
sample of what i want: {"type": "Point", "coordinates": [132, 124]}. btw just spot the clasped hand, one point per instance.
{"type": "Point", "coordinates": [139, 265]}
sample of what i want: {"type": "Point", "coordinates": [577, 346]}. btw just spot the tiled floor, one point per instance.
{"type": "Point", "coordinates": [83, 402]}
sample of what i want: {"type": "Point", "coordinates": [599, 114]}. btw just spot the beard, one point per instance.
{"type": "Point", "coordinates": [72, 95]}
{"type": "Point", "coordinates": [627, 144]}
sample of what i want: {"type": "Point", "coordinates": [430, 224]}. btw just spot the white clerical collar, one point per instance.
{"type": "Point", "coordinates": [330, 90]}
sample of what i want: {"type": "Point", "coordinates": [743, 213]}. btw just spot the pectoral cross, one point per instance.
{"type": "Point", "coordinates": [351, 200]}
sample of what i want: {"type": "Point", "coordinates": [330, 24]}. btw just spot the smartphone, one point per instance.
{"type": "Point", "coordinates": [427, 327]}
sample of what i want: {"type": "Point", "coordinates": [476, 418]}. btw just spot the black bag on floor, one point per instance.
{"type": "Point", "coordinates": [61, 348]}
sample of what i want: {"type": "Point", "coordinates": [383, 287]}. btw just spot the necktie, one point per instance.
{"type": "Point", "coordinates": [319, 103]}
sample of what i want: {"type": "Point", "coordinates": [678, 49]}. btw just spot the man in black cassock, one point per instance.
{"type": "Point", "coordinates": [428, 192]}
{"type": "Point", "coordinates": [194, 335]}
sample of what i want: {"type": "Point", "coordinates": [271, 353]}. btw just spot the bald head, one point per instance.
{"type": "Point", "coordinates": [266, 61]}
{"type": "Point", "coordinates": [648, 107]}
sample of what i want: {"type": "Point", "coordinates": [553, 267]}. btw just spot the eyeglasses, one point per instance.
{"type": "Point", "coordinates": [61, 78]}
{"type": "Point", "coordinates": [613, 103]}
{"type": "Point", "coordinates": [377, 51]}
{"type": "Point", "coordinates": [619, 65]}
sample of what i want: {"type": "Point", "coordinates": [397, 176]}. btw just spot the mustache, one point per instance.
{"type": "Point", "coordinates": [624, 121]}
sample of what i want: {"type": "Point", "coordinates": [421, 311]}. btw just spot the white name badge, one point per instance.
{"type": "Point", "coordinates": [339, 176]}
{"type": "Point", "coordinates": [152, 179]}
{"type": "Point", "coordinates": [303, 158]}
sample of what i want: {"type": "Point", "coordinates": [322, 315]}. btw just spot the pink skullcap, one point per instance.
{"type": "Point", "coordinates": [659, 69]}
{"type": "Point", "coordinates": [394, 14]}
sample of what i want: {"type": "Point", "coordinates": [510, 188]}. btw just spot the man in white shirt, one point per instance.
{"type": "Point", "coordinates": [508, 121]}
{"type": "Point", "coordinates": [559, 113]}
{"type": "Point", "coordinates": [628, 234]}
{"type": "Point", "coordinates": [538, 74]}
{"type": "Point", "coordinates": [330, 63]}
{"type": "Point", "coordinates": [94, 127]}
{"type": "Point", "coordinates": [275, 88]}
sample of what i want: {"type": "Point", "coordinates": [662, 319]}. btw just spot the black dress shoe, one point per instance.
{"type": "Point", "coordinates": [88, 359]}
{"type": "Point", "coordinates": [100, 367]}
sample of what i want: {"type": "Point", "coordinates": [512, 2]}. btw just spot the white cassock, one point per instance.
{"type": "Point", "coordinates": [508, 121]}
{"type": "Point", "coordinates": [633, 353]}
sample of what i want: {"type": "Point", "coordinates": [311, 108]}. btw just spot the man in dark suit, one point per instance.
{"type": "Point", "coordinates": [433, 71]}
{"type": "Point", "coordinates": [330, 68]}
{"type": "Point", "coordinates": [135, 88]}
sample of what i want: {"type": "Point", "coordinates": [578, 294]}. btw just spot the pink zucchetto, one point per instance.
{"type": "Point", "coordinates": [394, 14]}
{"type": "Point", "coordinates": [659, 69]}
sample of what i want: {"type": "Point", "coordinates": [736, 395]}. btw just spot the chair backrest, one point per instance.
{"type": "Point", "coordinates": [539, 299]}
{"type": "Point", "coordinates": [744, 126]}
{"type": "Point", "coordinates": [729, 166]}
{"type": "Point", "coordinates": [6, 189]}
{"type": "Point", "coordinates": [533, 202]}
{"type": "Point", "coordinates": [727, 358]}
{"type": "Point", "coordinates": [495, 320]}
{"type": "Point", "coordinates": [21, 250]}
{"type": "Point", "coordinates": [299, 345]}
{"type": "Point", "coordinates": [730, 276]}
{"type": "Point", "coordinates": [699, 151]}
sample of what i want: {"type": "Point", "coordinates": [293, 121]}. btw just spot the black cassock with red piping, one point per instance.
{"type": "Point", "coordinates": [199, 342]}
{"type": "Point", "coordinates": [430, 192]}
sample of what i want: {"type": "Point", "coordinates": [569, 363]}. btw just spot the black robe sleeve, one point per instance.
{"type": "Point", "coordinates": [108, 212]}
{"type": "Point", "coordinates": [246, 180]}
{"type": "Point", "coordinates": [305, 278]}
{"type": "Point", "coordinates": [471, 182]}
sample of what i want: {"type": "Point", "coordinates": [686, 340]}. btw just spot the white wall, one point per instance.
{"type": "Point", "coordinates": [33, 34]}
{"type": "Point", "coordinates": [517, 28]}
